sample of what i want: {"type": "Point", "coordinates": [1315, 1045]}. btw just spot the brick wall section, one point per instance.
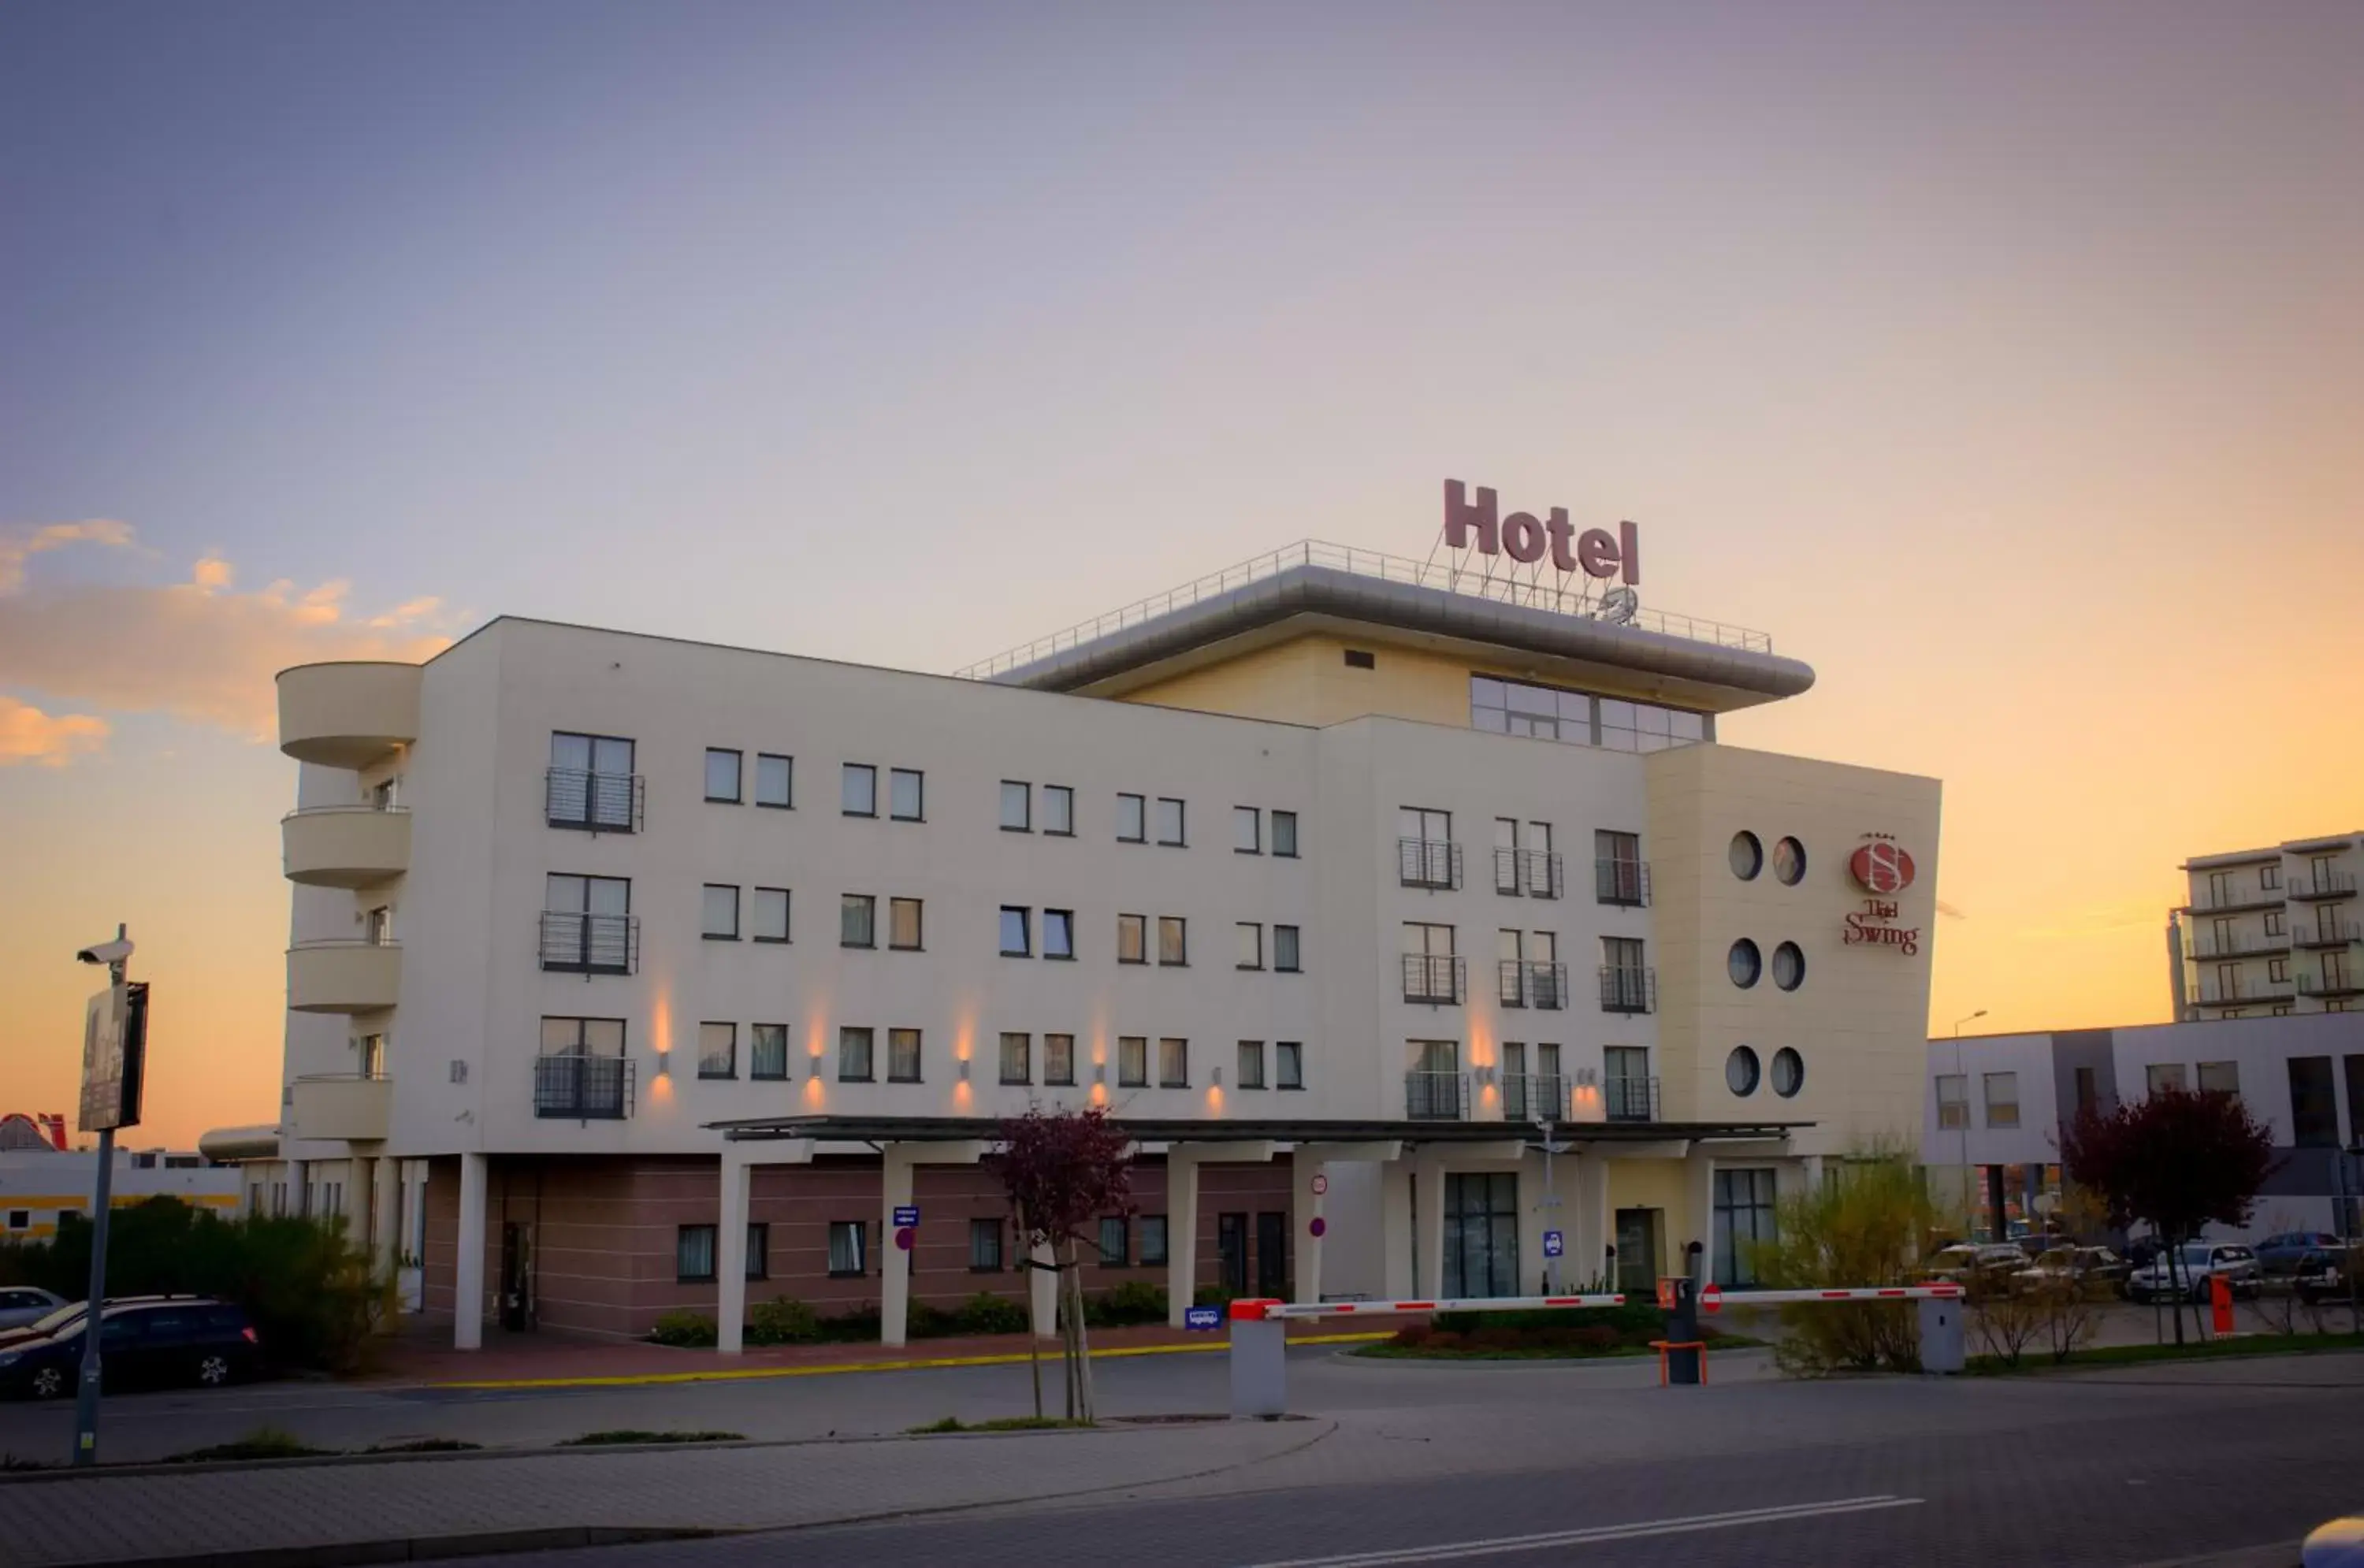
{"type": "Point", "coordinates": [604, 1233]}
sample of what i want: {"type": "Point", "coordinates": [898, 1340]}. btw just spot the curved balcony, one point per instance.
{"type": "Point", "coordinates": [344, 1107]}
{"type": "Point", "coordinates": [347, 714]}
{"type": "Point", "coordinates": [358, 976]}
{"type": "Point", "coordinates": [344, 845]}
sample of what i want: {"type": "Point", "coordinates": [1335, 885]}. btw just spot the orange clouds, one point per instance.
{"type": "Point", "coordinates": [20, 545]}
{"type": "Point", "coordinates": [29, 735]}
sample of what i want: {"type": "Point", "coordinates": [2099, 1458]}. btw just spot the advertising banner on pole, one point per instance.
{"type": "Point", "coordinates": [114, 1050]}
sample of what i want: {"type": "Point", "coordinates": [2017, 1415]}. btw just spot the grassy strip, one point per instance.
{"type": "Point", "coordinates": [273, 1442]}
{"type": "Point", "coordinates": [1535, 1352]}
{"type": "Point", "coordinates": [2200, 1350]}
{"type": "Point", "coordinates": [999, 1424]}
{"type": "Point", "coordinates": [634, 1435]}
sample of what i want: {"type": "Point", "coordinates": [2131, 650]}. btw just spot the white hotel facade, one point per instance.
{"type": "Point", "coordinates": [630, 973]}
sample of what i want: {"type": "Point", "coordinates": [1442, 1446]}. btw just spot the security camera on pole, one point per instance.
{"type": "Point", "coordinates": [1546, 1123]}
{"type": "Point", "coordinates": [113, 1053]}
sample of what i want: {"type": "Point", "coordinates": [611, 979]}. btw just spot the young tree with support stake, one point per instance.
{"type": "Point", "coordinates": [2177, 1160]}
{"type": "Point", "coordinates": [1063, 1171]}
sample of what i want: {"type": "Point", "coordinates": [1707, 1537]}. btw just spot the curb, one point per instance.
{"type": "Point", "coordinates": [1523, 1363]}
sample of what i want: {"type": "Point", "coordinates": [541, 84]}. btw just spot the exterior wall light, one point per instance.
{"type": "Point", "coordinates": [665, 1061]}
{"type": "Point", "coordinates": [963, 1070]}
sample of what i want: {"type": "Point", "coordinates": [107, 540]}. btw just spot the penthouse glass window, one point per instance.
{"type": "Point", "coordinates": [1578, 719]}
{"type": "Point", "coordinates": [723, 775]}
{"type": "Point", "coordinates": [775, 781]}
{"type": "Point", "coordinates": [857, 790]}
{"type": "Point", "coordinates": [906, 791]}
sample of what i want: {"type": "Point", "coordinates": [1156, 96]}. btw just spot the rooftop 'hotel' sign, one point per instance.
{"type": "Point", "coordinates": [1527, 539]}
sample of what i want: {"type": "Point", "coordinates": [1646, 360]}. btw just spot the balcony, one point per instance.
{"type": "Point", "coordinates": [590, 944]}
{"type": "Point", "coordinates": [1623, 883]}
{"type": "Point", "coordinates": [1527, 983]}
{"type": "Point", "coordinates": [358, 976]}
{"type": "Point", "coordinates": [583, 1088]}
{"type": "Point", "coordinates": [348, 1108]}
{"type": "Point", "coordinates": [1433, 980]}
{"type": "Point", "coordinates": [1434, 863]}
{"type": "Point", "coordinates": [2324, 884]}
{"type": "Point", "coordinates": [593, 803]}
{"type": "Point", "coordinates": [2329, 934]}
{"type": "Point", "coordinates": [1631, 1099]}
{"type": "Point", "coordinates": [2210, 947]}
{"type": "Point", "coordinates": [1534, 1096]}
{"type": "Point", "coordinates": [1436, 1096]}
{"type": "Point", "coordinates": [2333, 984]}
{"type": "Point", "coordinates": [2241, 993]}
{"type": "Point", "coordinates": [344, 845]}
{"type": "Point", "coordinates": [1625, 989]}
{"type": "Point", "coordinates": [347, 715]}
{"type": "Point", "coordinates": [1529, 873]}
{"type": "Point", "coordinates": [2235, 901]}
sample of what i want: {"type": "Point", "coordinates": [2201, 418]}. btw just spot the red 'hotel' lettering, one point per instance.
{"type": "Point", "coordinates": [1524, 540]}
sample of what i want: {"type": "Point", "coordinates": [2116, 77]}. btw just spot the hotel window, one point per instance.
{"type": "Point", "coordinates": [1016, 1065]}
{"type": "Point", "coordinates": [2278, 969]}
{"type": "Point", "coordinates": [1361, 658]}
{"type": "Point", "coordinates": [775, 781]}
{"type": "Point", "coordinates": [1131, 819]}
{"type": "Point", "coordinates": [1247, 830]}
{"type": "Point", "coordinates": [1173, 1063]}
{"type": "Point", "coordinates": [1953, 1100]}
{"type": "Point", "coordinates": [846, 1248]}
{"type": "Point", "coordinates": [1059, 811]}
{"type": "Point", "coordinates": [903, 924]}
{"type": "Point", "coordinates": [1133, 1061]}
{"type": "Point", "coordinates": [2274, 927]}
{"type": "Point", "coordinates": [693, 1254]}
{"type": "Point", "coordinates": [1250, 1065]}
{"type": "Point", "coordinates": [857, 790]}
{"type": "Point", "coordinates": [1743, 1222]}
{"type": "Point", "coordinates": [2089, 1090]}
{"type": "Point", "coordinates": [771, 915]}
{"type": "Point", "coordinates": [591, 783]}
{"type": "Point", "coordinates": [1284, 950]}
{"type": "Point", "coordinates": [1172, 943]}
{"type": "Point", "coordinates": [721, 912]}
{"type": "Point", "coordinates": [1132, 939]}
{"type": "Point", "coordinates": [767, 1053]}
{"type": "Point", "coordinates": [1153, 1240]}
{"type": "Point", "coordinates": [1289, 1064]}
{"type": "Point", "coordinates": [1116, 1249]}
{"type": "Point", "coordinates": [1169, 822]}
{"type": "Point", "coordinates": [1017, 807]}
{"type": "Point", "coordinates": [1249, 953]}
{"type": "Point", "coordinates": [723, 775]}
{"type": "Point", "coordinates": [2269, 877]}
{"type": "Point", "coordinates": [854, 1045]}
{"type": "Point", "coordinates": [857, 920]}
{"type": "Point", "coordinates": [1016, 935]}
{"type": "Point", "coordinates": [985, 1246]}
{"type": "Point", "coordinates": [2002, 1099]}
{"type": "Point", "coordinates": [1059, 1061]}
{"type": "Point", "coordinates": [2221, 1078]}
{"type": "Point", "coordinates": [905, 795]}
{"type": "Point", "coordinates": [2161, 1077]}
{"type": "Point", "coordinates": [718, 1050]}
{"type": "Point", "coordinates": [1284, 834]}
{"type": "Point", "coordinates": [1058, 933]}
{"type": "Point", "coordinates": [902, 1056]}
{"type": "Point", "coordinates": [759, 1249]}
{"type": "Point", "coordinates": [1645, 727]}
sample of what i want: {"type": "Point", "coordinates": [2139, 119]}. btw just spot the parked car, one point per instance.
{"type": "Point", "coordinates": [23, 1304]}
{"type": "Point", "coordinates": [2324, 1275]}
{"type": "Point", "coordinates": [2281, 1254]}
{"type": "Point", "coordinates": [155, 1342]}
{"type": "Point", "coordinates": [1991, 1263]}
{"type": "Point", "coordinates": [2198, 1262]}
{"type": "Point", "coordinates": [44, 1326]}
{"type": "Point", "coordinates": [2092, 1271]}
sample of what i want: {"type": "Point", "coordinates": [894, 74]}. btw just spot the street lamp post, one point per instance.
{"type": "Point", "coordinates": [115, 955]}
{"type": "Point", "coordinates": [1963, 1075]}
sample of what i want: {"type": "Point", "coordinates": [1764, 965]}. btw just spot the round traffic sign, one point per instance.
{"type": "Point", "coordinates": [903, 1238]}
{"type": "Point", "coordinates": [1317, 1225]}
{"type": "Point", "coordinates": [1711, 1298]}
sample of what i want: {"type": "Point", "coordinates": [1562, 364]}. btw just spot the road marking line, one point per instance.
{"type": "Point", "coordinates": [744, 1375]}
{"type": "Point", "coordinates": [1444, 1551]}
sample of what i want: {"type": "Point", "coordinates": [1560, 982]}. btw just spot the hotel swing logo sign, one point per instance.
{"type": "Point", "coordinates": [1882, 868]}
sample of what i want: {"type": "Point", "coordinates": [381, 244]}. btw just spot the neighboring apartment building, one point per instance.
{"type": "Point", "coordinates": [2272, 931]}
{"type": "Point", "coordinates": [1991, 1119]}
{"type": "Point", "coordinates": [630, 973]}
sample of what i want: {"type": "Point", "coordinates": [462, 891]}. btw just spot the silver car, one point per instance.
{"type": "Point", "coordinates": [2200, 1262]}
{"type": "Point", "coordinates": [21, 1304]}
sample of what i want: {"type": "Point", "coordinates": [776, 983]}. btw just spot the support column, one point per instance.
{"type": "Point", "coordinates": [730, 1253]}
{"type": "Point", "coordinates": [1308, 1206]}
{"type": "Point", "coordinates": [1181, 1232]}
{"type": "Point", "coordinates": [1396, 1215]}
{"type": "Point", "coordinates": [1428, 1229]}
{"type": "Point", "coordinates": [386, 1216]}
{"type": "Point", "coordinates": [894, 1264]}
{"type": "Point", "coordinates": [1590, 1245]}
{"type": "Point", "coordinates": [1810, 1172]}
{"type": "Point", "coordinates": [468, 1265]}
{"type": "Point", "coordinates": [1699, 1197]}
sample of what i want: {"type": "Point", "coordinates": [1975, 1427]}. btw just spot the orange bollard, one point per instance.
{"type": "Point", "coordinates": [2220, 1299]}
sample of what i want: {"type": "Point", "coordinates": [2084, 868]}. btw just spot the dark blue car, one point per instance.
{"type": "Point", "coordinates": [159, 1342]}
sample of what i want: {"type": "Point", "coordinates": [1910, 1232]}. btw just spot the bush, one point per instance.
{"type": "Point", "coordinates": [781, 1321]}
{"type": "Point", "coordinates": [986, 1313]}
{"type": "Point", "coordinates": [1866, 1228]}
{"type": "Point", "coordinates": [852, 1327]}
{"type": "Point", "coordinates": [1412, 1335]}
{"type": "Point", "coordinates": [693, 1331]}
{"type": "Point", "coordinates": [1134, 1301]}
{"type": "Point", "coordinates": [1210, 1296]}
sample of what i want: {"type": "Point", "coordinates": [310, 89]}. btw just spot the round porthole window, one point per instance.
{"type": "Point", "coordinates": [1789, 862]}
{"type": "Point", "coordinates": [1748, 855]}
{"type": "Point", "coordinates": [1788, 1071]}
{"type": "Point", "coordinates": [1740, 1071]}
{"type": "Point", "coordinates": [1788, 966]}
{"type": "Point", "coordinates": [1743, 964]}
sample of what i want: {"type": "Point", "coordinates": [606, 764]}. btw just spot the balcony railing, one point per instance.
{"type": "Point", "coordinates": [2236, 946]}
{"type": "Point", "coordinates": [1429, 863]}
{"type": "Point", "coordinates": [590, 944]}
{"type": "Point", "coordinates": [2236, 992]}
{"type": "Point", "coordinates": [1625, 882]}
{"type": "Point", "coordinates": [583, 1088]}
{"type": "Point", "coordinates": [1625, 989]}
{"type": "Point", "coordinates": [1534, 1096]}
{"type": "Point", "coordinates": [1435, 979]}
{"type": "Point", "coordinates": [1631, 1099]}
{"type": "Point", "coordinates": [2329, 934]}
{"type": "Point", "coordinates": [1530, 984]}
{"type": "Point", "coordinates": [596, 802]}
{"type": "Point", "coordinates": [2333, 984]}
{"type": "Point", "coordinates": [2233, 900]}
{"type": "Point", "coordinates": [1530, 873]}
{"type": "Point", "coordinates": [1436, 1096]}
{"type": "Point", "coordinates": [2325, 885]}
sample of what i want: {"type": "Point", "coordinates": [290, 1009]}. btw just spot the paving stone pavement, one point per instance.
{"type": "Point", "coordinates": [115, 1518]}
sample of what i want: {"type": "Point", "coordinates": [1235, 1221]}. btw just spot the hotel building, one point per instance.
{"type": "Point", "coordinates": [630, 973]}
{"type": "Point", "coordinates": [2271, 931]}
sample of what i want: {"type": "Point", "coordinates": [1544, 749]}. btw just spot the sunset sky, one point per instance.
{"type": "Point", "coordinates": [2004, 362]}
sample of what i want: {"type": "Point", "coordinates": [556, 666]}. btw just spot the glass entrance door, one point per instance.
{"type": "Point", "coordinates": [1637, 1251]}
{"type": "Point", "coordinates": [1481, 1233]}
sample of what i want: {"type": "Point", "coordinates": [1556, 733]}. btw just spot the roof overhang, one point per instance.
{"type": "Point", "coordinates": [833, 1129]}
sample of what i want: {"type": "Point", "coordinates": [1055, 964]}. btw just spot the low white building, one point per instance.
{"type": "Point", "coordinates": [40, 1183]}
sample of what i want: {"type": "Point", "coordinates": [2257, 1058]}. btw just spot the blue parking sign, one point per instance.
{"type": "Point", "coordinates": [1553, 1246]}
{"type": "Point", "coordinates": [908, 1214]}
{"type": "Point", "coordinates": [1203, 1317]}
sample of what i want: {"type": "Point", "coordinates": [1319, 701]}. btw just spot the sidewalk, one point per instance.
{"type": "Point", "coordinates": [295, 1513]}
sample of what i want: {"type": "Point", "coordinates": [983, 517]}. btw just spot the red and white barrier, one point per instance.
{"type": "Point", "coordinates": [1261, 1311]}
